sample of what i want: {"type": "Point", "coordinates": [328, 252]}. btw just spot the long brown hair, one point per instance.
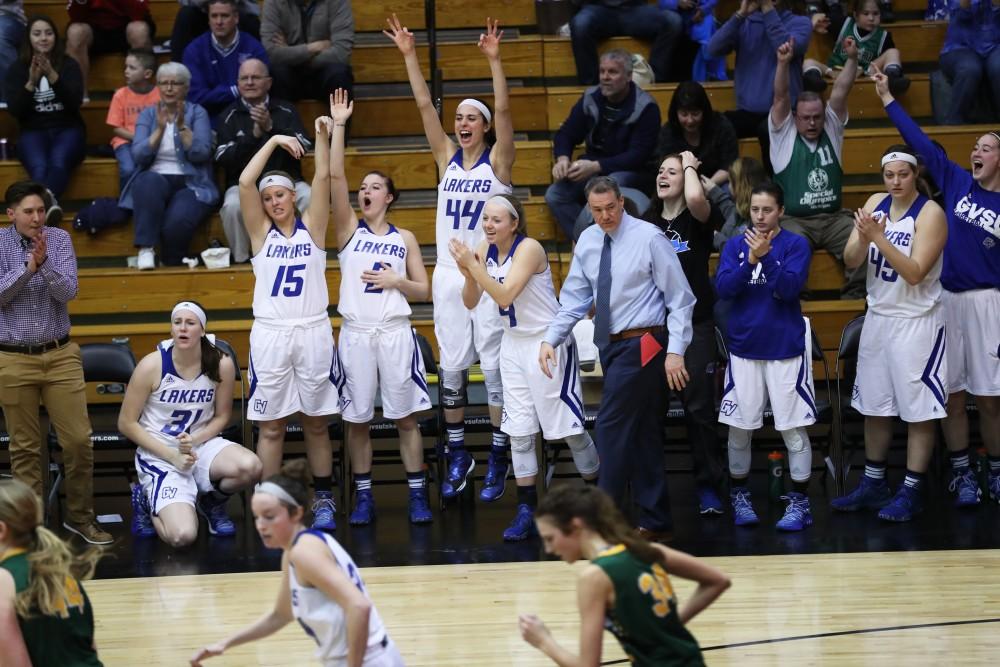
{"type": "Point", "coordinates": [598, 513]}
{"type": "Point", "coordinates": [745, 174]}
{"type": "Point", "coordinates": [295, 478]}
{"type": "Point", "coordinates": [58, 47]}
{"type": "Point", "coordinates": [53, 567]}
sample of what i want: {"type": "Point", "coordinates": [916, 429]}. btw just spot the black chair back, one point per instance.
{"type": "Point", "coordinates": [107, 362]}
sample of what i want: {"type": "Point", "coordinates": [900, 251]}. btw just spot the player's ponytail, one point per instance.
{"type": "Point", "coordinates": [53, 568]}
{"type": "Point", "coordinates": [597, 511]}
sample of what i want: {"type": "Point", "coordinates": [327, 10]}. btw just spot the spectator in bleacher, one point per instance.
{"type": "Point", "coordinates": [628, 271]}
{"type": "Point", "coordinates": [970, 57]}
{"type": "Point", "coordinates": [970, 275]}
{"type": "Point", "coordinates": [309, 46]}
{"type": "Point", "coordinates": [689, 220]}
{"type": "Point", "coordinates": [755, 32]}
{"type": "Point", "coordinates": [693, 126]}
{"type": "Point", "coordinates": [38, 362]}
{"type": "Point", "coordinates": [45, 92]}
{"type": "Point", "coordinates": [172, 150]}
{"type": "Point", "coordinates": [214, 58]}
{"type": "Point", "coordinates": [139, 92]}
{"type": "Point", "coordinates": [619, 123]}
{"type": "Point", "coordinates": [244, 128]}
{"type": "Point", "coordinates": [597, 20]}
{"type": "Point", "coordinates": [806, 146]}
{"type": "Point", "coordinates": [12, 22]}
{"type": "Point", "coordinates": [106, 26]}
{"type": "Point", "coordinates": [875, 46]}
{"type": "Point", "coordinates": [745, 174]}
{"type": "Point", "coordinates": [192, 20]}
{"type": "Point", "coordinates": [698, 18]}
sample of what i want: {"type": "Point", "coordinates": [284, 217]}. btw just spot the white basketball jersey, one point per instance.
{"type": "Point", "coordinates": [290, 277]}
{"type": "Point", "coordinates": [535, 307]}
{"type": "Point", "coordinates": [177, 405]}
{"type": "Point", "coordinates": [888, 293]}
{"type": "Point", "coordinates": [322, 618]}
{"type": "Point", "coordinates": [362, 302]}
{"type": "Point", "coordinates": [461, 197]}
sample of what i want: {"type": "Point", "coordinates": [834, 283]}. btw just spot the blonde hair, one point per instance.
{"type": "Point", "coordinates": [745, 174]}
{"type": "Point", "coordinates": [521, 226]}
{"type": "Point", "coordinates": [52, 566]}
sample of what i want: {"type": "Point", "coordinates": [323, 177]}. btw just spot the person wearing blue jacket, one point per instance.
{"type": "Point", "coordinates": [620, 124]}
{"type": "Point", "coordinates": [970, 276]}
{"type": "Point", "coordinates": [970, 56]}
{"type": "Point", "coordinates": [172, 150]}
{"type": "Point", "coordinates": [214, 58]}
{"type": "Point", "coordinates": [770, 355]}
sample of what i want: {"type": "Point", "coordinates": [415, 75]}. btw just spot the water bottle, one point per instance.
{"type": "Point", "coordinates": [776, 468]}
{"type": "Point", "coordinates": [3, 148]}
{"type": "Point", "coordinates": [983, 471]}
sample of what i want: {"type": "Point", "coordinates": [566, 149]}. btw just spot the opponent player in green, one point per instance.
{"type": "Point", "coordinates": [45, 615]}
{"type": "Point", "coordinates": [624, 589]}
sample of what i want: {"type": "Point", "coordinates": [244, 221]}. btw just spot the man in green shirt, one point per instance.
{"type": "Point", "coordinates": [805, 152]}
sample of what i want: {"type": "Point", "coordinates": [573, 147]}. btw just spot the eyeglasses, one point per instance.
{"type": "Point", "coordinates": [252, 78]}
{"type": "Point", "coordinates": [171, 84]}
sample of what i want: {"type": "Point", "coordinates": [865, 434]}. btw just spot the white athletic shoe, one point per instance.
{"type": "Point", "coordinates": [147, 259]}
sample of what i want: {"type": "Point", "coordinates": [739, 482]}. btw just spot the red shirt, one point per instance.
{"type": "Point", "coordinates": [108, 14]}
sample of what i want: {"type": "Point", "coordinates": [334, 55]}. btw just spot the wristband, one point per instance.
{"type": "Point", "coordinates": [691, 167]}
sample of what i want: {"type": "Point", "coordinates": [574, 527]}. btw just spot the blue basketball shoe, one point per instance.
{"type": "Point", "coordinates": [460, 466]}
{"type": "Point", "coordinates": [797, 514]}
{"type": "Point", "coordinates": [743, 514]}
{"type": "Point", "coordinates": [869, 494]}
{"type": "Point", "coordinates": [523, 525]}
{"type": "Point", "coordinates": [966, 488]}
{"type": "Point", "coordinates": [420, 509]}
{"type": "Point", "coordinates": [364, 509]}
{"type": "Point", "coordinates": [142, 521]}
{"type": "Point", "coordinates": [904, 505]}
{"type": "Point", "coordinates": [324, 511]}
{"type": "Point", "coordinates": [214, 511]}
{"type": "Point", "coordinates": [497, 469]}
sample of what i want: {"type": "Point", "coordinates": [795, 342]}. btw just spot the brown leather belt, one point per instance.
{"type": "Point", "coordinates": [634, 333]}
{"type": "Point", "coordinates": [37, 348]}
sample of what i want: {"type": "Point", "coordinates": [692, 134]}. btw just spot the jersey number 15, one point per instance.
{"type": "Point", "coordinates": [287, 277]}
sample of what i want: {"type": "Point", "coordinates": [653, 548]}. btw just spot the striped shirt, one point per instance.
{"type": "Point", "coordinates": [33, 306]}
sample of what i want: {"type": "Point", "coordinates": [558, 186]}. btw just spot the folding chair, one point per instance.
{"type": "Point", "coordinates": [848, 419]}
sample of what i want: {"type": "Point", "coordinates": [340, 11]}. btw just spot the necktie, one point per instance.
{"type": "Point", "coordinates": [602, 316]}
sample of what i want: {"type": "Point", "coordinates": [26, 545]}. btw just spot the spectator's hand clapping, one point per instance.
{"type": "Point", "coordinates": [401, 35]}
{"type": "Point", "coordinates": [868, 227]}
{"type": "Point", "coordinates": [581, 170]}
{"type": "Point", "coordinates": [489, 42]}
{"type": "Point", "coordinates": [850, 48]}
{"type": "Point", "coordinates": [163, 115]}
{"type": "Point", "coordinates": [44, 66]}
{"type": "Point", "coordinates": [262, 123]}
{"type": "Point", "coordinates": [38, 252]}
{"type": "Point", "coordinates": [786, 51]}
{"type": "Point", "coordinates": [35, 70]}
{"type": "Point", "coordinates": [341, 107]}
{"type": "Point", "coordinates": [179, 116]}
{"type": "Point", "coordinates": [758, 242]}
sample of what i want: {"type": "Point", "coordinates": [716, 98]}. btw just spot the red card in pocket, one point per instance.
{"type": "Point", "coordinates": [649, 348]}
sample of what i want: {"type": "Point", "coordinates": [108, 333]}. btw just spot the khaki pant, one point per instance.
{"type": "Point", "coordinates": [54, 379]}
{"type": "Point", "coordinates": [830, 232]}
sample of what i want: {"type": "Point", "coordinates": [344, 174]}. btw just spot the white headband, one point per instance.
{"type": "Point", "coordinates": [194, 308]}
{"type": "Point", "coordinates": [479, 105]}
{"type": "Point", "coordinates": [276, 179]}
{"type": "Point", "coordinates": [272, 489]}
{"type": "Point", "coordinates": [503, 201]}
{"type": "Point", "coordinates": [900, 157]}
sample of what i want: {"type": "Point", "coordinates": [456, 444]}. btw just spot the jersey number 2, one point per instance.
{"type": "Point", "coordinates": [464, 208]}
{"type": "Point", "coordinates": [287, 276]}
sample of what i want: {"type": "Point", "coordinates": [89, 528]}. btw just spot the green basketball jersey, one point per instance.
{"type": "Point", "coordinates": [870, 46]}
{"type": "Point", "coordinates": [64, 640]}
{"type": "Point", "coordinates": [812, 179]}
{"type": "Point", "coordinates": [644, 616]}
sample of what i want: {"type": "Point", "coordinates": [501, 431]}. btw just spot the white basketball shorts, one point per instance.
{"type": "Point", "coordinates": [464, 335]}
{"type": "Point", "coordinates": [973, 322]}
{"type": "Point", "coordinates": [164, 485]}
{"type": "Point", "coordinates": [532, 400]}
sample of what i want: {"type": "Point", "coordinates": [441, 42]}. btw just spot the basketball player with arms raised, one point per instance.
{"type": "Point", "coordinates": [472, 170]}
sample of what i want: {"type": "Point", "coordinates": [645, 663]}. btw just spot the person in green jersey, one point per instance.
{"type": "Point", "coordinates": [875, 46]}
{"type": "Point", "coordinates": [625, 589]}
{"type": "Point", "coordinates": [45, 615]}
{"type": "Point", "coordinates": [807, 140]}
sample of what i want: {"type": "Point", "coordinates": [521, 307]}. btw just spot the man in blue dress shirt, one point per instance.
{"type": "Point", "coordinates": [627, 269]}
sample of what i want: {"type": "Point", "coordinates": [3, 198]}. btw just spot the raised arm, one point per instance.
{"type": "Point", "coordinates": [502, 153]}
{"type": "Point", "coordinates": [781, 105]}
{"type": "Point", "coordinates": [266, 625]}
{"type": "Point", "coordinates": [694, 192]}
{"type": "Point", "coordinates": [317, 218]}
{"type": "Point", "coordinates": [254, 218]}
{"type": "Point", "coordinates": [441, 146]}
{"type": "Point", "coordinates": [844, 81]}
{"type": "Point", "coordinates": [344, 220]}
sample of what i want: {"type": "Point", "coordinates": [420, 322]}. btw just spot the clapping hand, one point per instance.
{"type": "Point", "coordinates": [401, 35]}
{"type": "Point", "coordinates": [869, 228]}
{"type": "Point", "coordinates": [758, 242]}
{"type": "Point", "coordinates": [261, 116]}
{"type": "Point", "coordinates": [38, 252]}
{"type": "Point", "coordinates": [489, 42]}
{"type": "Point", "coordinates": [463, 254]}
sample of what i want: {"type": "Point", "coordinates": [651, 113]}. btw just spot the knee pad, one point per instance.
{"type": "Point", "coordinates": [799, 453]}
{"type": "Point", "coordinates": [494, 387]}
{"type": "Point", "coordinates": [739, 451]}
{"type": "Point", "coordinates": [584, 453]}
{"type": "Point", "coordinates": [453, 389]}
{"type": "Point", "coordinates": [522, 453]}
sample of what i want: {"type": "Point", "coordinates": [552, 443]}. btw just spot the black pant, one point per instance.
{"type": "Point", "coordinates": [698, 398]}
{"type": "Point", "coordinates": [191, 22]}
{"type": "Point", "coordinates": [311, 81]}
{"type": "Point", "coordinates": [753, 124]}
{"type": "Point", "coordinates": [629, 432]}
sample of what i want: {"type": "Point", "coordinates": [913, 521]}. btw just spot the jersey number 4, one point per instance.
{"type": "Point", "coordinates": [287, 281]}
{"type": "Point", "coordinates": [883, 269]}
{"type": "Point", "coordinates": [464, 208]}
